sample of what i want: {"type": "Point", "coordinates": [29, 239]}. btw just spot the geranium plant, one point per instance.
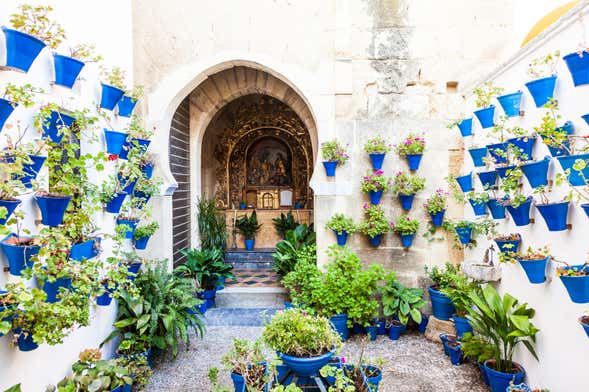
{"type": "Point", "coordinates": [375, 222]}
{"type": "Point", "coordinates": [544, 66]}
{"type": "Point", "coordinates": [376, 181]}
{"type": "Point", "coordinates": [436, 202]}
{"type": "Point", "coordinates": [405, 225]}
{"type": "Point", "coordinates": [485, 94]}
{"type": "Point", "coordinates": [333, 151]}
{"type": "Point", "coordinates": [377, 145]}
{"type": "Point", "coordinates": [341, 224]}
{"type": "Point", "coordinates": [21, 95]}
{"type": "Point", "coordinates": [414, 144]}
{"type": "Point", "coordinates": [35, 20]}
{"type": "Point", "coordinates": [407, 184]}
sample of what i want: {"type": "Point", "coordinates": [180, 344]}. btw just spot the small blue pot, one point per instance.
{"type": "Point", "coordinates": [423, 325]}
{"type": "Point", "coordinates": [341, 238]}
{"type": "Point", "coordinates": [519, 388]}
{"type": "Point", "coordinates": [445, 338]}
{"type": "Point", "coordinates": [511, 103]}
{"type": "Point", "coordinates": [564, 148]}
{"type": "Point", "coordinates": [52, 125]}
{"type": "Point", "coordinates": [330, 167]}
{"type": "Point", "coordinates": [373, 381]}
{"type": "Point", "coordinates": [52, 289]}
{"type": "Point", "coordinates": [508, 246]}
{"type": "Point", "coordinates": [6, 110]}
{"type": "Point", "coordinates": [585, 325]}
{"type": "Point", "coordinates": [497, 209]}
{"type": "Point", "coordinates": [372, 332]}
{"type": "Point", "coordinates": [84, 250]}
{"type": "Point", "coordinates": [585, 208]}
{"type": "Point", "coordinates": [130, 185]}
{"type": "Point", "coordinates": [105, 299]}
{"type": "Point", "coordinates": [114, 205]}
{"type": "Point", "coordinates": [413, 160]}
{"type": "Point", "coordinates": [377, 160]}
{"type": "Point", "coordinates": [375, 196]}
{"type": "Point", "coordinates": [502, 171]}
{"type": "Point", "coordinates": [542, 90]}
{"type": "Point", "coordinates": [500, 381]}
{"type": "Point", "coordinates": [25, 343]}
{"type": "Point", "coordinates": [406, 201]}
{"type": "Point", "coordinates": [438, 218]}
{"type": "Point", "coordinates": [442, 306]}
{"type": "Point", "coordinates": [126, 106]}
{"type": "Point", "coordinates": [382, 327]}
{"type": "Point", "coordinates": [465, 182]}
{"type": "Point", "coordinates": [67, 70]}
{"type": "Point", "coordinates": [52, 209]}
{"type": "Point", "coordinates": [110, 96]}
{"type": "Point", "coordinates": [147, 170]}
{"type": "Point", "coordinates": [488, 179]}
{"type": "Point", "coordinates": [525, 145]}
{"type": "Point", "coordinates": [465, 127]}
{"type": "Point", "coordinates": [498, 152]}
{"type": "Point", "coordinates": [209, 297]}
{"type": "Point", "coordinates": [131, 225]}
{"type": "Point", "coordinates": [462, 325]}
{"type": "Point", "coordinates": [10, 206]}
{"type": "Point", "coordinates": [141, 243]}
{"type": "Point", "coordinates": [464, 234]}
{"type": "Point", "coordinates": [395, 331]}
{"type": "Point", "coordinates": [375, 241]}
{"type": "Point", "coordinates": [534, 269]}
{"type": "Point", "coordinates": [339, 322]}
{"type": "Point", "coordinates": [114, 141]}
{"type": "Point", "coordinates": [122, 388]}
{"type": "Point", "coordinates": [574, 177]}
{"type": "Point", "coordinates": [358, 329]}
{"type": "Point", "coordinates": [407, 240]}
{"type": "Point", "coordinates": [134, 268]}
{"type": "Point", "coordinates": [537, 172]}
{"type": "Point", "coordinates": [249, 244]}
{"type": "Point", "coordinates": [520, 214]}
{"type": "Point", "coordinates": [141, 144]}
{"type": "Point", "coordinates": [19, 257]}
{"type": "Point", "coordinates": [479, 208]}
{"type": "Point", "coordinates": [478, 155]}
{"type": "Point", "coordinates": [305, 366]}
{"type": "Point", "coordinates": [586, 118]}
{"type": "Point", "coordinates": [555, 215]}
{"type": "Point", "coordinates": [141, 198]}
{"type": "Point", "coordinates": [578, 66]}
{"type": "Point", "coordinates": [238, 382]}
{"type": "Point", "coordinates": [242, 206]}
{"type": "Point", "coordinates": [455, 353]}
{"type": "Point", "coordinates": [577, 286]}
{"type": "Point", "coordinates": [486, 116]}
{"type": "Point", "coordinates": [31, 170]}
{"type": "Point", "coordinates": [21, 49]}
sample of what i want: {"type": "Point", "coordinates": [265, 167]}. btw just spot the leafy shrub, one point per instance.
{"type": "Point", "coordinates": [205, 267]}
{"type": "Point", "coordinates": [299, 242]}
{"type": "Point", "coordinates": [285, 223]}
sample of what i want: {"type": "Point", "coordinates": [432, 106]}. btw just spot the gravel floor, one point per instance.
{"type": "Point", "coordinates": [414, 364]}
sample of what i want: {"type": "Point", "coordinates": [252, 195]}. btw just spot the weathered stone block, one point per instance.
{"type": "Point", "coordinates": [435, 327]}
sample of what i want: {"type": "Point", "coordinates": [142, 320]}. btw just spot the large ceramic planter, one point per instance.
{"type": "Point", "coordinates": [499, 381]}
{"type": "Point", "coordinates": [498, 152]}
{"type": "Point", "coordinates": [537, 172]}
{"type": "Point", "coordinates": [31, 170]}
{"type": "Point", "coordinates": [376, 240]}
{"type": "Point", "coordinates": [114, 205]}
{"type": "Point", "coordinates": [6, 109]}
{"type": "Point", "coordinates": [67, 70]}
{"type": "Point", "coordinates": [407, 239]}
{"type": "Point", "coordinates": [413, 160]}
{"type": "Point", "coordinates": [84, 250]}
{"type": "Point", "coordinates": [462, 325]}
{"type": "Point", "coordinates": [131, 225]}
{"type": "Point", "coordinates": [574, 177]}
{"type": "Point", "coordinates": [578, 65]}
{"type": "Point", "coordinates": [488, 179]}
{"type": "Point", "coordinates": [377, 160]}
{"type": "Point", "coordinates": [555, 215]}
{"type": "Point", "coordinates": [126, 106]}
{"type": "Point", "coordinates": [52, 288]}
{"type": "Point", "coordinates": [406, 201]}
{"type": "Point", "coordinates": [525, 146]}
{"type": "Point", "coordinates": [465, 182]}
{"type": "Point", "coordinates": [521, 213]}
{"type": "Point", "coordinates": [464, 234]}
{"type": "Point", "coordinates": [21, 49]}
{"type": "Point", "coordinates": [114, 141]}
{"type": "Point", "coordinates": [478, 207]}
{"type": "Point", "coordinates": [341, 238]}
{"type": "Point", "coordinates": [465, 127]}
{"type": "Point", "coordinates": [508, 245]}
{"type": "Point", "coordinates": [141, 243]}
{"type": "Point", "coordinates": [18, 256]}
{"type": "Point", "coordinates": [542, 90]}
{"type": "Point", "coordinates": [375, 196]}
{"type": "Point", "coordinates": [339, 323]}
{"type": "Point", "coordinates": [577, 286]}
{"type": "Point", "coordinates": [53, 124]}
{"type": "Point", "coordinates": [535, 269]}
{"type": "Point", "coordinates": [486, 116]}
{"type": "Point", "coordinates": [511, 103]}
{"type": "Point", "coordinates": [330, 167]}
{"type": "Point", "coordinates": [10, 206]}
{"type": "Point", "coordinates": [110, 96]}
{"type": "Point", "coordinates": [438, 218]}
{"type": "Point", "coordinates": [306, 367]}
{"type": "Point", "coordinates": [478, 155]}
{"type": "Point", "coordinates": [52, 208]}
{"type": "Point", "coordinates": [496, 208]}
{"type": "Point", "coordinates": [442, 306]}
{"type": "Point", "coordinates": [249, 243]}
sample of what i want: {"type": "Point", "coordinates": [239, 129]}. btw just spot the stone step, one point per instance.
{"type": "Point", "coordinates": [239, 317]}
{"type": "Point", "coordinates": [251, 297]}
{"type": "Point", "coordinates": [257, 258]}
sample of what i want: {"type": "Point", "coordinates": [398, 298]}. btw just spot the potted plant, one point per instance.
{"type": "Point", "coordinates": [298, 244]}
{"type": "Point", "coordinates": [245, 360]}
{"type": "Point", "coordinates": [114, 89]}
{"type": "Point", "coordinates": [465, 182]}
{"type": "Point", "coordinates": [464, 231]}
{"type": "Point", "coordinates": [127, 220]}
{"type": "Point", "coordinates": [412, 149]}
{"type": "Point", "coordinates": [144, 189]}
{"type": "Point", "coordinates": [18, 247]}
{"type": "Point", "coordinates": [375, 184]}
{"type": "Point", "coordinates": [543, 70]}
{"type": "Point", "coordinates": [341, 226]}
{"type": "Point", "coordinates": [112, 193]}
{"type": "Point", "coordinates": [403, 303]}
{"type": "Point", "coordinates": [14, 96]}
{"type": "Point", "coordinates": [374, 224]}
{"type": "Point", "coordinates": [506, 323]}
{"type": "Point", "coordinates": [435, 206]}
{"type": "Point", "coordinates": [534, 262]}
{"type": "Point", "coordinates": [464, 126]}
{"type": "Point", "coordinates": [333, 154]}
{"type": "Point", "coordinates": [554, 214]}
{"type": "Point", "coordinates": [517, 204]}
{"type": "Point", "coordinates": [442, 306]}
{"type": "Point", "coordinates": [54, 123]}
{"type": "Point", "coordinates": [575, 279]}
{"type": "Point", "coordinates": [284, 223]}
{"type": "Point", "coordinates": [80, 231]}
{"type": "Point", "coordinates": [484, 96]}
{"type": "Point", "coordinates": [248, 226]}
{"type": "Point", "coordinates": [11, 187]}
{"type": "Point", "coordinates": [478, 202]}
{"type": "Point", "coordinates": [139, 138]}
{"type": "Point", "coordinates": [511, 103]}
{"type": "Point", "coordinates": [479, 349]}
{"type": "Point", "coordinates": [68, 68]}
{"type": "Point", "coordinates": [126, 105]}
{"type": "Point", "coordinates": [478, 155]}
{"type": "Point", "coordinates": [406, 228]}
{"type": "Point", "coordinates": [508, 242]}
{"type": "Point", "coordinates": [459, 290]}
{"type": "Point", "coordinates": [488, 178]}
{"type": "Point", "coordinates": [143, 233]}
{"type": "Point", "coordinates": [377, 149]}
{"type": "Point", "coordinates": [578, 66]}
{"type": "Point", "coordinates": [406, 186]}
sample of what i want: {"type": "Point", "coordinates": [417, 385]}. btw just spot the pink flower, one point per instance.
{"type": "Point", "coordinates": [342, 359]}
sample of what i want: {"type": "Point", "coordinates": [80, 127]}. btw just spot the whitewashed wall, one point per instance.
{"type": "Point", "coordinates": [562, 344]}
{"type": "Point", "coordinates": [108, 25]}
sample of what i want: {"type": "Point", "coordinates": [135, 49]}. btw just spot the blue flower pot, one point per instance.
{"type": "Point", "coordinates": [141, 198]}
{"type": "Point", "coordinates": [413, 160]}
{"type": "Point", "coordinates": [209, 297]}
{"type": "Point", "coordinates": [110, 96]}
{"type": "Point", "coordinates": [423, 324]}
{"type": "Point", "coordinates": [497, 209]}
{"type": "Point", "coordinates": [442, 306]}
{"type": "Point", "coordinates": [6, 110]}
{"type": "Point", "coordinates": [220, 284]}
{"type": "Point", "coordinates": [586, 118]}
{"type": "Point", "coordinates": [511, 103]}
{"type": "Point", "coordinates": [126, 106]}
{"type": "Point", "coordinates": [464, 234]}
{"type": "Point", "coordinates": [31, 170]}
{"type": "Point", "coordinates": [465, 182]}
{"type": "Point", "coordinates": [395, 331]}
{"type": "Point", "coordinates": [375, 196]}
{"type": "Point", "coordinates": [407, 240]}
{"type": "Point", "coordinates": [478, 155]}
{"type": "Point", "coordinates": [455, 352]}
{"type": "Point", "coordinates": [330, 167]}
{"type": "Point", "coordinates": [122, 388]}
{"type": "Point", "coordinates": [67, 70]}
{"type": "Point", "coordinates": [147, 170]}
{"type": "Point", "coordinates": [52, 209]}
{"type": "Point", "coordinates": [585, 208]}
{"type": "Point", "coordinates": [53, 124]}
{"type": "Point", "coordinates": [10, 206]}
{"type": "Point", "coordinates": [465, 127]}
{"type": "Point", "coordinates": [577, 286]}
{"type": "Point", "coordinates": [141, 144]}
{"type": "Point", "coordinates": [575, 178]}
{"type": "Point", "coordinates": [105, 299]}
{"type": "Point", "coordinates": [382, 327]}
{"type": "Point", "coordinates": [133, 268]}
{"type": "Point", "coordinates": [578, 66]}
{"type": "Point", "coordinates": [520, 214]}
{"type": "Point", "coordinates": [377, 160]}
{"type": "Point", "coordinates": [564, 148]}
{"type": "Point", "coordinates": [125, 150]}
{"type": "Point", "coordinates": [358, 329]}
{"type": "Point", "coordinates": [135, 357]}
{"type": "Point", "coordinates": [114, 205]}
{"type": "Point", "coordinates": [585, 324]}
{"type": "Point", "coordinates": [486, 116]}
{"type": "Point", "coordinates": [128, 185]}
{"type": "Point", "coordinates": [534, 269]}
{"type": "Point", "coordinates": [406, 201]}
{"type": "Point", "coordinates": [488, 179]}
{"type": "Point", "coordinates": [479, 208]}
{"type": "Point", "coordinates": [341, 238]}
{"type": "Point", "coordinates": [242, 206]}
{"type": "Point", "coordinates": [25, 343]}
{"type": "Point", "coordinates": [249, 244]}
{"type": "Point", "coordinates": [339, 322]}
{"type": "Point", "coordinates": [19, 257]}
{"type": "Point", "coordinates": [141, 243]}
{"type": "Point", "coordinates": [372, 332]}
{"type": "Point", "coordinates": [542, 90]}
{"type": "Point", "coordinates": [306, 366]}
{"type": "Point", "coordinates": [114, 141]}
{"type": "Point", "coordinates": [483, 373]}
{"type": "Point", "coordinates": [462, 325]}
{"type": "Point", "coordinates": [498, 152]}
{"type": "Point", "coordinates": [52, 289]}
{"type": "Point", "coordinates": [375, 241]}
{"type": "Point", "coordinates": [374, 380]}
{"type": "Point", "coordinates": [438, 218]}
{"type": "Point", "coordinates": [84, 250]}
{"type": "Point", "coordinates": [537, 172]}
{"type": "Point", "coordinates": [131, 225]}
{"type": "Point", "coordinates": [525, 145]}
{"type": "Point", "coordinates": [445, 338]}
{"type": "Point", "coordinates": [499, 381]}
{"type": "Point", "coordinates": [238, 382]}
{"type": "Point", "coordinates": [21, 49]}
{"type": "Point", "coordinates": [555, 215]}
{"type": "Point", "coordinates": [508, 246]}
{"type": "Point", "coordinates": [504, 171]}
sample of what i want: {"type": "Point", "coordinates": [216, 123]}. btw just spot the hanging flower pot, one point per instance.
{"type": "Point", "coordinates": [464, 234]}
{"type": "Point", "coordinates": [114, 205]}
{"type": "Point", "coordinates": [52, 208]}
{"type": "Point", "coordinates": [105, 298]}
{"type": "Point", "coordinates": [6, 109]}
{"type": "Point", "coordinates": [395, 330]}
{"type": "Point", "coordinates": [84, 250]}
{"type": "Point", "coordinates": [25, 340]}
{"type": "Point", "coordinates": [575, 178]}
{"type": "Point", "coordinates": [465, 127]}
{"type": "Point", "coordinates": [376, 240]}
{"type": "Point", "coordinates": [563, 149]}
{"type": "Point", "coordinates": [511, 103]}
{"type": "Point", "coordinates": [18, 252]}
{"type": "Point", "coordinates": [406, 201]}
{"type": "Point", "coordinates": [249, 243]}
{"type": "Point", "coordinates": [142, 144]}
{"type": "Point", "coordinates": [465, 182]}
{"type": "Point", "coordinates": [525, 145]}
{"type": "Point", "coordinates": [131, 225]}
{"type": "Point", "coordinates": [67, 70]}
{"type": "Point", "coordinates": [486, 116]}
{"type": "Point", "coordinates": [341, 238]}
{"type": "Point", "coordinates": [147, 170]}
{"type": "Point", "coordinates": [576, 283]}
{"type": "Point", "coordinates": [586, 118]}
{"type": "Point", "coordinates": [478, 155]}
{"type": "Point", "coordinates": [502, 171]}
{"type": "Point", "coordinates": [498, 152]}
{"type": "Point", "coordinates": [479, 207]}
{"type": "Point", "coordinates": [455, 353]}
{"type": "Point", "coordinates": [508, 245]}
{"type": "Point", "coordinates": [330, 167]}
{"type": "Point", "coordinates": [521, 213]}
{"type": "Point", "coordinates": [413, 160]}
{"type": "Point", "coordinates": [10, 206]}
{"type": "Point", "coordinates": [499, 381]}
{"type": "Point", "coordinates": [110, 96]}
{"type": "Point", "coordinates": [578, 65]}
{"type": "Point", "coordinates": [52, 125]}
{"type": "Point", "coordinates": [126, 106]}
{"type": "Point", "coordinates": [339, 322]}
{"type": "Point", "coordinates": [462, 325]}
{"type": "Point", "coordinates": [141, 243]}
{"type": "Point", "coordinates": [438, 218]}
{"type": "Point", "coordinates": [114, 141]}
{"type": "Point", "coordinates": [542, 90]}
{"type": "Point", "coordinates": [21, 49]}
{"type": "Point", "coordinates": [377, 160]}
{"type": "Point", "coordinates": [130, 185]}
{"type": "Point", "coordinates": [537, 172]}
{"type": "Point", "coordinates": [375, 196]}
{"type": "Point", "coordinates": [497, 209]}
{"type": "Point", "coordinates": [555, 215]}
{"type": "Point", "coordinates": [141, 198]}
{"type": "Point", "coordinates": [488, 179]}
{"type": "Point", "coordinates": [52, 288]}
{"type": "Point", "coordinates": [31, 170]}
{"type": "Point", "coordinates": [442, 306]}
{"type": "Point", "coordinates": [584, 321]}
{"type": "Point", "coordinates": [407, 239]}
{"type": "Point", "coordinates": [535, 269]}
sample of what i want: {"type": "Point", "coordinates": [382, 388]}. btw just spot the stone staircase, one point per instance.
{"type": "Point", "coordinates": [257, 258]}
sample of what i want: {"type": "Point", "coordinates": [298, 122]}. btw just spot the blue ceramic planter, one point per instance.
{"type": "Point", "coordinates": [520, 214]}
{"type": "Point", "coordinates": [465, 127]}
{"type": "Point", "coordinates": [141, 144]}
{"type": "Point", "coordinates": [479, 208]}
{"type": "Point", "coordinates": [575, 178]}
{"type": "Point", "coordinates": [341, 238]}
{"type": "Point", "coordinates": [25, 340]}
{"type": "Point", "coordinates": [10, 206]}
{"type": "Point", "coordinates": [488, 179]}
{"type": "Point", "coordinates": [375, 196]}
{"type": "Point", "coordinates": [478, 155]}
{"type": "Point", "coordinates": [372, 332]}
{"type": "Point", "coordinates": [141, 243]}
{"type": "Point", "coordinates": [127, 185]}
{"type": "Point", "coordinates": [504, 171]}
{"type": "Point", "coordinates": [537, 172]}
{"type": "Point", "coordinates": [578, 66]}
{"type": "Point", "coordinates": [21, 49]}
{"type": "Point", "coordinates": [496, 208]}
{"type": "Point", "coordinates": [465, 182]}
{"type": "Point", "coordinates": [442, 306]}
{"type": "Point", "coordinates": [445, 338]}
{"type": "Point", "coordinates": [586, 118]}
{"type": "Point", "coordinates": [209, 297]}
{"type": "Point", "coordinates": [464, 234]}
{"type": "Point", "coordinates": [131, 225]}
{"type": "Point", "coordinates": [423, 324]}
{"type": "Point", "coordinates": [407, 240]}
{"type": "Point", "coordinates": [6, 110]}
{"type": "Point", "coordinates": [52, 209]}
{"type": "Point", "coordinates": [375, 241]}
{"type": "Point", "coordinates": [585, 208]}
{"type": "Point", "coordinates": [52, 288]}
{"type": "Point", "coordinates": [67, 70]}
{"type": "Point", "coordinates": [147, 170]}
{"type": "Point", "coordinates": [126, 106]}
{"type": "Point", "coordinates": [249, 244]}
{"type": "Point", "coordinates": [133, 269]}
{"type": "Point", "coordinates": [122, 388]}
{"type": "Point", "coordinates": [511, 103]}
{"type": "Point", "coordinates": [564, 148]}
{"type": "Point", "coordinates": [84, 250]}
{"type": "Point", "coordinates": [19, 257]}
{"type": "Point", "coordinates": [238, 382]}
{"type": "Point", "coordinates": [577, 286]}
{"type": "Point", "coordinates": [486, 116]}
{"type": "Point", "coordinates": [330, 167]}
{"type": "Point", "coordinates": [498, 152]}
{"type": "Point", "coordinates": [406, 201]}
{"type": "Point", "coordinates": [462, 325]}
{"type": "Point", "coordinates": [455, 353]}
{"type": "Point", "coordinates": [377, 160]}
{"type": "Point", "coordinates": [585, 324]}
{"type": "Point", "coordinates": [141, 198]}
{"type": "Point", "coordinates": [105, 299]}
{"type": "Point", "coordinates": [52, 126]}
{"type": "Point", "coordinates": [525, 145]}
{"type": "Point", "coordinates": [306, 367]}
{"type": "Point", "coordinates": [413, 161]}
{"type": "Point", "coordinates": [500, 381]}
{"type": "Point", "coordinates": [382, 327]}
{"type": "Point", "coordinates": [438, 218]}
{"type": "Point", "coordinates": [542, 90]}
{"type": "Point", "coordinates": [110, 96]}
{"type": "Point", "coordinates": [31, 170]}
{"type": "Point", "coordinates": [508, 246]}
{"type": "Point", "coordinates": [358, 329]}
{"type": "Point", "coordinates": [395, 331]}
{"type": "Point", "coordinates": [555, 215]}
{"type": "Point", "coordinates": [114, 141]}
{"type": "Point", "coordinates": [339, 323]}
{"type": "Point", "coordinates": [114, 206]}
{"type": "Point", "coordinates": [535, 269]}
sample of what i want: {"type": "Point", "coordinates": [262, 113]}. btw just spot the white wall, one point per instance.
{"type": "Point", "coordinates": [562, 343]}
{"type": "Point", "coordinates": [108, 25]}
